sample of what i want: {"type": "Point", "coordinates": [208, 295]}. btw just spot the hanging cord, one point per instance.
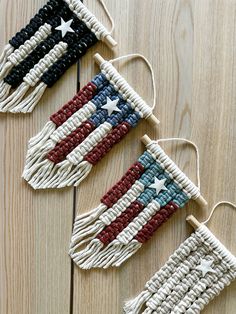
{"type": "Point", "coordinates": [196, 150]}
{"type": "Point", "coordinates": [138, 55]}
{"type": "Point", "coordinates": [214, 208]}
{"type": "Point", "coordinates": [108, 15]}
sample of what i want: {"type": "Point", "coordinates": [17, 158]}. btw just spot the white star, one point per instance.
{"type": "Point", "coordinates": [65, 27]}
{"type": "Point", "coordinates": [158, 185]}
{"type": "Point", "coordinates": [205, 267]}
{"type": "Point", "coordinates": [111, 106]}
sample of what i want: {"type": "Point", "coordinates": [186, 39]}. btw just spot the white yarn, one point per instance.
{"type": "Point", "coordinates": [24, 50]}
{"type": "Point", "coordinates": [42, 173]}
{"type": "Point", "coordinates": [29, 45]}
{"type": "Point", "coordinates": [73, 122]}
{"type": "Point", "coordinates": [172, 169]}
{"type": "Point", "coordinates": [13, 102]}
{"type": "Point", "coordinates": [125, 89]}
{"type": "Point", "coordinates": [39, 139]}
{"type": "Point", "coordinates": [7, 51]}
{"type": "Point", "coordinates": [51, 134]}
{"type": "Point", "coordinates": [82, 230]}
{"type": "Point", "coordinates": [179, 287]}
{"type": "Point", "coordinates": [89, 19]}
{"type": "Point", "coordinates": [45, 63]}
{"type": "Point", "coordinates": [122, 204]}
{"type": "Point", "coordinates": [89, 143]}
{"type": "Point", "coordinates": [85, 231]}
{"type": "Point", "coordinates": [137, 224]}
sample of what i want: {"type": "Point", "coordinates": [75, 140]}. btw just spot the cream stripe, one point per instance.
{"type": "Point", "coordinates": [77, 155]}
{"type": "Point", "coordinates": [73, 122]}
{"type": "Point", "coordinates": [24, 50]}
{"type": "Point", "coordinates": [173, 170]}
{"type": "Point", "coordinates": [122, 204]}
{"type": "Point", "coordinates": [137, 224]}
{"type": "Point", "coordinates": [217, 245]}
{"type": "Point", "coordinates": [125, 89]}
{"type": "Point", "coordinates": [43, 65]}
{"type": "Point", "coordinates": [88, 18]}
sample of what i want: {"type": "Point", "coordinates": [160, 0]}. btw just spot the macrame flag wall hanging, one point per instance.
{"type": "Point", "coordinates": [131, 211]}
{"type": "Point", "coordinates": [37, 56]}
{"type": "Point", "coordinates": [197, 272]}
{"type": "Point", "coordinates": [84, 130]}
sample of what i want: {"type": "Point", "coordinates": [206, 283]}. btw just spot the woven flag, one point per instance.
{"type": "Point", "coordinates": [149, 193]}
{"type": "Point", "coordinates": [84, 130]}
{"type": "Point", "coordinates": [196, 273]}
{"type": "Point", "coordinates": [37, 56]}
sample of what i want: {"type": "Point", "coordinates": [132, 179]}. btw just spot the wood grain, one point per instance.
{"type": "Point", "coordinates": [191, 45]}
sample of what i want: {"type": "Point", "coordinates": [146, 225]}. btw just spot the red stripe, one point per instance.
{"type": "Point", "coordinates": [76, 103]}
{"type": "Point", "coordinates": [103, 147]}
{"type": "Point", "coordinates": [123, 185]}
{"type": "Point", "coordinates": [67, 145]}
{"type": "Point", "coordinates": [155, 222]}
{"type": "Point", "coordinates": [109, 233]}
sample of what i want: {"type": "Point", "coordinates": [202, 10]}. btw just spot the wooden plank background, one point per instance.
{"type": "Point", "coordinates": [191, 45]}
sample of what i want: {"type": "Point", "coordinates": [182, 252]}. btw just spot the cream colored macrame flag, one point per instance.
{"type": "Point", "coordinates": [197, 272]}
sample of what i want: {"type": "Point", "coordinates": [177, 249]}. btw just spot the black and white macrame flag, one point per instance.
{"type": "Point", "coordinates": [37, 56]}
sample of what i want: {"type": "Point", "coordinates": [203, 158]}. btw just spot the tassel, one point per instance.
{"type": "Point", "coordinates": [14, 98]}
{"type": "Point", "coordinates": [7, 51]}
{"type": "Point", "coordinates": [135, 305]}
{"type": "Point", "coordinates": [6, 69]}
{"type": "Point", "coordinates": [38, 140]}
{"type": "Point", "coordinates": [93, 248]}
{"type": "Point", "coordinates": [83, 233]}
{"type": "Point", "coordinates": [45, 174]}
{"type": "Point", "coordinates": [79, 173]}
{"type": "Point", "coordinates": [98, 255]}
{"type": "Point", "coordinates": [34, 159]}
{"type": "Point", "coordinates": [86, 219]}
{"type": "Point", "coordinates": [4, 90]}
{"type": "Point", "coordinates": [28, 104]}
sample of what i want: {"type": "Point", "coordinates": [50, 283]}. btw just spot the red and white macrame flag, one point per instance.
{"type": "Point", "coordinates": [84, 130]}
{"type": "Point", "coordinates": [147, 195]}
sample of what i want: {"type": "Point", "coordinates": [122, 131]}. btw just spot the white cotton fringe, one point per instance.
{"type": "Point", "coordinates": [14, 98]}
{"type": "Point", "coordinates": [84, 220]}
{"type": "Point", "coordinates": [97, 255]}
{"type": "Point", "coordinates": [28, 104]}
{"type": "Point", "coordinates": [6, 69]}
{"type": "Point", "coordinates": [38, 140]}
{"type": "Point", "coordinates": [135, 305]}
{"type": "Point", "coordinates": [4, 90]}
{"type": "Point", "coordinates": [15, 102]}
{"type": "Point", "coordinates": [45, 174]}
{"type": "Point", "coordinates": [7, 51]}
